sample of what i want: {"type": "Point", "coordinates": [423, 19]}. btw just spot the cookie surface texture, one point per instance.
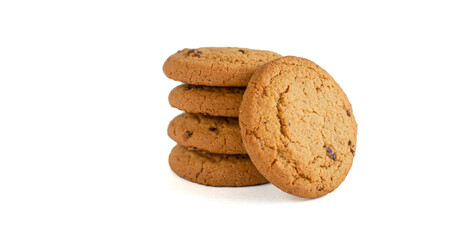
{"type": "Point", "coordinates": [214, 169]}
{"type": "Point", "coordinates": [216, 66]}
{"type": "Point", "coordinates": [213, 134]}
{"type": "Point", "coordinates": [214, 101]}
{"type": "Point", "coordinates": [298, 127]}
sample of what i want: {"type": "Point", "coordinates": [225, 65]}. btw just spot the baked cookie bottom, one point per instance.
{"type": "Point", "coordinates": [213, 134]}
{"type": "Point", "coordinates": [218, 170]}
{"type": "Point", "coordinates": [214, 101]}
{"type": "Point", "coordinates": [216, 66]}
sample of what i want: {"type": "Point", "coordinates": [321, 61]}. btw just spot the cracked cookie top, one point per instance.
{"type": "Point", "coordinates": [298, 127]}
{"type": "Point", "coordinates": [216, 66]}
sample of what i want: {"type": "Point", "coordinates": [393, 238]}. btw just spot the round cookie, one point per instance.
{"type": "Point", "coordinates": [218, 170]}
{"type": "Point", "coordinates": [215, 101]}
{"type": "Point", "coordinates": [213, 134]}
{"type": "Point", "coordinates": [216, 66]}
{"type": "Point", "coordinates": [298, 127]}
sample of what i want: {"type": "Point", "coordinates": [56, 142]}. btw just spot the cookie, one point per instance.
{"type": "Point", "coordinates": [216, 66]}
{"type": "Point", "coordinates": [298, 127]}
{"type": "Point", "coordinates": [212, 134]}
{"type": "Point", "coordinates": [218, 170]}
{"type": "Point", "coordinates": [215, 101]}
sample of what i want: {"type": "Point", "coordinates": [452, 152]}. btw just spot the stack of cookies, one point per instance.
{"type": "Point", "coordinates": [253, 116]}
{"type": "Point", "coordinates": [210, 149]}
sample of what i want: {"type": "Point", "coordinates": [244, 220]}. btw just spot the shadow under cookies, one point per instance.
{"type": "Point", "coordinates": [264, 193]}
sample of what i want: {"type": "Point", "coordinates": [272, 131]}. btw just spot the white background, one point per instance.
{"type": "Point", "coordinates": [84, 111]}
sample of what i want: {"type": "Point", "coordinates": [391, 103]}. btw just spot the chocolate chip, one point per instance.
{"type": "Point", "coordinates": [196, 149]}
{"type": "Point", "coordinates": [329, 150]}
{"type": "Point", "coordinates": [330, 153]}
{"type": "Point", "coordinates": [351, 147]}
{"type": "Point", "coordinates": [348, 112]}
{"type": "Point", "coordinates": [241, 51]}
{"type": "Point", "coordinates": [195, 52]}
{"type": "Point", "coordinates": [188, 87]}
{"type": "Point", "coordinates": [212, 129]}
{"type": "Point", "coordinates": [188, 134]}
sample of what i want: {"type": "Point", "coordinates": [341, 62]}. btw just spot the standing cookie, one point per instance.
{"type": "Point", "coordinates": [216, 66]}
{"type": "Point", "coordinates": [215, 101]}
{"type": "Point", "coordinates": [298, 127]}
{"type": "Point", "coordinates": [213, 134]}
{"type": "Point", "coordinates": [214, 169]}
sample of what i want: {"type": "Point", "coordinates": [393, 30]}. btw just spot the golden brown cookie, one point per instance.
{"type": "Point", "coordinates": [298, 127]}
{"type": "Point", "coordinates": [218, 170]}
{"type": "Point", "coordinates": [213, 134]}
{"type": "Point", "coordinates": [216, 66]}
{"type": "Point", "coordinates": [215, 101]}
